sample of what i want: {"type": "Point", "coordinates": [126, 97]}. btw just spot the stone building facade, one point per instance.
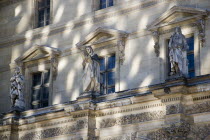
{"type": "Point", "coordinates": [140, 98]}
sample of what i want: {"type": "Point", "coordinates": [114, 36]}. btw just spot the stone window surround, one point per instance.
{"type": "Point", "coordinates": [29, 71]}
{"type": "Point", "coordinates": [107, 50]}
{"type": "Point", "coordinates": [114, 45]}
{"type": "Point", "coordinates": [191, 21]}
{"type": "Point", "coordinates": [29, 66]}
{"type": "Point", "coordinates": [34, 16]}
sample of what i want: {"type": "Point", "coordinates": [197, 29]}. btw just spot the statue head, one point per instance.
{"type": "Point", "coordinates": [89, 50]}
{"type": "Point", "coordinates": [17, 70]}
{"type": "Point", "coordinates": [178, 30]}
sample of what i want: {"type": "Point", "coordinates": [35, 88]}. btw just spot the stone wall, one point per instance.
{"type": "Point", "coordinates": [141, 67]}
{"type": "Point", "coordinates": [182, 113]}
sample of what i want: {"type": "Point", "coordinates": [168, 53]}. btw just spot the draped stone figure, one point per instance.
{"type": "Point", "coordinates": [91, 77]}
{"type": "Point", "coordinates": [178, 53]}
{"type": "Point", "coordinates": [17, 89]}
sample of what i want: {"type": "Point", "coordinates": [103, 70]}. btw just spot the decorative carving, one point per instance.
{"type": "Point", "coordinates": [16, 90]}
{"type": "Point", "coordinates": [201, 28]}
{"type": "Point", "coordinates": [4, 137]}
{"type": "Point", "coordinates": [174, 132]}
{"type": "Point", "coordinates": [167, 90]}
{"type": "Point", "coordinates": [155, 36]}
{"type": "Point", "coordinates": [53, 132]}
{"type": "Point", "coordinates": [91, 77]}
{"type": "Point", "coordinates": [130, 119]}
{"type": "Point", "coordinates": [198, 108]}
{"type": "Point", "coordinates": [173, 109]}
{"type": "Point", "coordinates": [121, 49]}
{"type": "Point", "coordinates": [199, 132]}
{"type": "Point", "coordinates": [178, 54]}
{"type": "Point", "coordinates": [54, 65]}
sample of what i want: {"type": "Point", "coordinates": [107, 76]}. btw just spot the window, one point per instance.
{"type": "Point", "coordinates": [106, 3]}
{"type": "Point", "coordinates": [40, 89]}
{"type": "Point", "coordinates": [43, 13]}
{"type": "Point", "coordinates": [190, 57]}
{"type": "Point", "coordinates": [107, 71]}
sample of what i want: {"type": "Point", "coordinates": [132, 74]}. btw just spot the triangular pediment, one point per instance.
{"type": "Point", "coordinates": [101, 35]}
{"type": "Point", "coordinates": [37, 52]}
{"type": "Point", "coordinates": [176, 15]}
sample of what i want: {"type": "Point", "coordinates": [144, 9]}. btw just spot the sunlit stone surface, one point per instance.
{"type": "Point", "coordinates": [140, 97]}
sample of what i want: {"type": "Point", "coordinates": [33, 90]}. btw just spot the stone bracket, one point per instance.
{"type": "Point", "coordinates": [155, 35]}
{"type": "Point", "coordinates": [200, 23]}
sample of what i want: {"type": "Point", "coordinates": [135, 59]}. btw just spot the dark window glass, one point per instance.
{"type": "Point", "coordinates": [190, 42]}
{"type": "Point", "coordinates": [111, 3]}
{"type": "Point", "coordinates": [41, 4]}
{"type": "Point", "coordinates": [48, 2]}
{"type": "Point", "coordinates": [44, 104]}
{"type": "Point", "coordinates": [35, 106]}
{"type": "Point", "coordinates": [46, 77]}
{"type": "Point", "coordinates": [37, 79]}
{"type": "Point", "coordinates": [36, 94]}
{"type": "Point", "coordinates": [102, 4]}
{"type": "Point", "coordinates": [43, 12]}
{"type": "Point", "coordinates": [102, 64]}
{"type": "Point", "coordinates": [111, 78]}
{"type": "Point", "coordinates": [40, 89]}
{"type": "Point", "coordinates": [111, 62]}
{"type": "Point", "coordinates": [107, 81]}
{"type": "Point", "coordinates": [111, 90]}
{"type": "Point", "coordinates": [190, 57]}
{"type": "Point", "coordinates": [45, 92]}
{"type": "Point", "coordinates": [191, 74]}
{"type": "Point", "coordinates": [106, 3]}
{"type": "Point", "coordinates": [103, 78]}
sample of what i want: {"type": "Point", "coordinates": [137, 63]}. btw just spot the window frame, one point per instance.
{"type": "Point", "coordinates": [107, 2]}
{"type": "Point", "coordinates": [106, 71]}
{"type": "Point", "coordinates": [36, 14]}
{"type": "Point", "coordinates": [40, 86]}
{"type": "Point", "coordinates": [30, 69]}
{"type": "Point", "coordinates": [96, 5]}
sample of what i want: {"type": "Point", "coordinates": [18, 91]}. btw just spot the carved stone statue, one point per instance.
{"type": "Point", "coordinates": [91, 77]}
{"type": "Point", "coordinates": [16, 90]}
{"type": "Point", "coordinates": [178, 53]}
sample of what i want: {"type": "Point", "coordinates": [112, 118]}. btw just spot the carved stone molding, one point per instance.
{"type": "Point", "coordinates": [127, 109]}
{"type": "Point", "coordinates": [198, 108]}
{"type": "Point", "coordinates": [201, 28]}
{"type": "Point", "coordinates": [174, 109]}
{"type": "Point", "coordinates": [173, 132]}
{"type": "Point", "coordinates": [133, 118]}
{"type": "Point", "coordinates": [199, 132]}
{"type": "Point", "coordinates": [4, 137]}
{"type": "Point", "coordinates": [53, 132]}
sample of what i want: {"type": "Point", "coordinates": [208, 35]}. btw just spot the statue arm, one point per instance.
{"type": "Point", "coordinates": [186, 47]}
{"type": "Point", "coordinates": [170, 43]}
